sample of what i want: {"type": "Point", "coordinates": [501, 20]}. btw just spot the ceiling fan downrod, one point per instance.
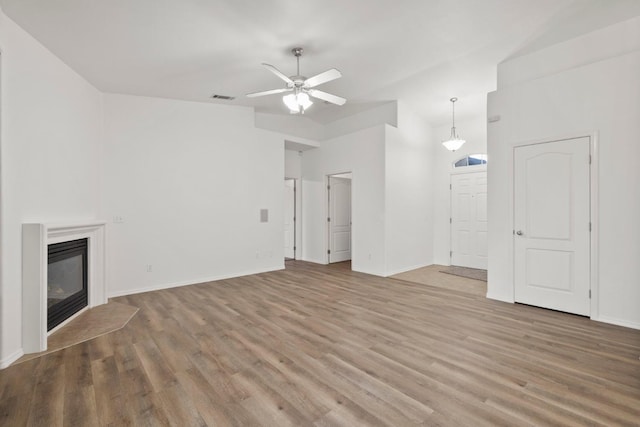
{"type": "Point", "coordinates": [297, 51]}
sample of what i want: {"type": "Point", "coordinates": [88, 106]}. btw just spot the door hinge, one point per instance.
{"type": "Point", "coordinates": [294, 248]}
{"type": "Point", "coordinates": [450, 254]}
{"type": "Point", "coordinates": [450, 187]}
{"type": "Point", "coordinates": [589, 226]}
{"type": "Point", "coordinates": [328, 251]}
{"type": "Point", "coordinates": [590, 159]}
{"type": "Point", "coordinates": [450, 221]}
{"type": "Point", "coordinates": [328, 187]}
{"type": "Point", "coordinates": [328, 219]}
{"type": "Point", "coordinates": [589, 293]}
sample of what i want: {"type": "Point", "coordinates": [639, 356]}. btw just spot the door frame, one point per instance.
{"type": "Point", "coordinates": [468, 169]}
{"type": "Point", "coordinates": [328, 213]}
{"type": "Point", "coordinates": [295, 216]}
{"type": "Point", "coordinates": [593, 212]}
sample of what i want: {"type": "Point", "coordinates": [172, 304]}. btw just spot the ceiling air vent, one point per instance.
{"type": "Point", "coordinates": [223, 97]}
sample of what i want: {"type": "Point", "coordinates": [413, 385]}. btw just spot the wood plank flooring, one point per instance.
{"type": "Point", "coordinates": [323, 346]}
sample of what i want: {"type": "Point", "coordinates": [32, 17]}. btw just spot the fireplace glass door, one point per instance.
{"type": "Point", "coordinates": [66, 281]}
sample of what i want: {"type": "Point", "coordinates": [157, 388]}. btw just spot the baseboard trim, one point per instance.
{"type": "Point", "coordinates": [190, 282]}
{"type": "Point", "coordinates": [404, 270]}
{"type": "Point", "coordinates": [499, 297]}
{"type": "Point", "coordinates": [617, 322]}
{"type": "Point", "coordinates": [7, 361]}
{"type": "Point", "coordinates": [315, 261]}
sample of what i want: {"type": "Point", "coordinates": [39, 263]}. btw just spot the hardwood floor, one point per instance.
{"type": "Point", "coordinates": [321, 345]}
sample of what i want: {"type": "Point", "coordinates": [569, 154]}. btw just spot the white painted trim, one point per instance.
{"type": "Point", "coordinates": [191, 282]}
{"type": "Point", "coordinates": [297, 253]}
{"type": "Point", "coordinates": [468, 169]}
{"type": "Point", "coordinates": [317, 261]}
{"type": "Point", "coordinates": [299, 219]}
{"type": "Point", "coordinates": [593, 214]}
{"type": "Point", "coordinates": [594, 151]}
{"type": "Point", "coordinates": [35, 240]}
{"type": "Point", "coordinates": [69, 319]}
{"type": "Point", "coordinates": [618, 322]}
{"type": "Point", "coordinates": [475, 169]}
{"type": "Point", "coordinates": [499, 297]}
{"type": "Point", "coordinates": [404, 270]}
{"type": "Point", "coordinates": [7, 361]}
{"type": "Point", "coordinates": [327, 210]}
{"type": "Point", "coordinates": [483, 168]}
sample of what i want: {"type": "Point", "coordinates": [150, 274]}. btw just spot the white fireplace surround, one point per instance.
{"type": "Point", "coordinates": [35, 240]}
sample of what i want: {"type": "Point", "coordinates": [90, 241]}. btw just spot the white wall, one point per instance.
{"type": "Point", "coordinates": [189, 180]}
{"type": "Point", "coordinates": [51, 122]}
{"type": "Point", "coordinates": [362, 153]}
{"type": "Point", "coordinates": [601, 96]}
{"type": "Point", "coordinates": [474, 131]}
{"type": "Point", "coordinates": [292, 164]}
{"type": "Point", "coordinates": [385, 113]}
{"type": "Point", "coordinates": [408, 193]}
{"type": "Point", "coordinates": [296, 125]}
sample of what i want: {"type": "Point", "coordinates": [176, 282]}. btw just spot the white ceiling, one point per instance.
{"type": "Point", "coordinates": [422, 52]}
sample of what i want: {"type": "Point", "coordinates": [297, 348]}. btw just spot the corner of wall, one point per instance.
{"type": "Point", "coordinates": [6, 361]}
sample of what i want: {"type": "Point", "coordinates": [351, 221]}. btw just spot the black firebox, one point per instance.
{"type": "Point", "coordinates": [66, 280]}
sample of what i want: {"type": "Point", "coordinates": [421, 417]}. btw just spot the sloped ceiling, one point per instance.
{"type": "Point", "coordinates": [419, 51]}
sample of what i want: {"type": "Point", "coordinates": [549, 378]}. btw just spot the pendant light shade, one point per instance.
{"type": "Point", "coordinates": [454, 142]}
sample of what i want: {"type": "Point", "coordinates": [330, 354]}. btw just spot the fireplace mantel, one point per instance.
{"type": "Point", "coordinates": [35, 239]}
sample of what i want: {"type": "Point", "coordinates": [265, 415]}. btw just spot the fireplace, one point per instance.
{"type": "Point", "coordinates": [85, 266]}
{"type": "Point", "coordinates": [66, 280]}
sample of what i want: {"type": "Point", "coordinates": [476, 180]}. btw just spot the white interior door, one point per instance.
{"type": "Point", "coordinates": [289, 218]}
{"type": "Point", "coordinates": [469, 220]}
{"type": "Point", "coordinates": [552, 229]}
{"type": "Point", "coordinates": [339, 219]}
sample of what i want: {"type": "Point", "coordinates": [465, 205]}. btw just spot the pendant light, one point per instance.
{"type": "Point", "coordinates": [453, 143]}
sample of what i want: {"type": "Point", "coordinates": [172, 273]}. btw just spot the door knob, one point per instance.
{"type": "Point", "coordinates": [519, 232]}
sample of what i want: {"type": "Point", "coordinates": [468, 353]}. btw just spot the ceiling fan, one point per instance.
{"type": "Point", "coordinates": [302, 87]}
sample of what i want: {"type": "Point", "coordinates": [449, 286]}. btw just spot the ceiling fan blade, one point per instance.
{"type": "Point", "coordinates": [268, 92]}
{"type": "Point", "coordinates": [318, 79]}
{"type": "Point", "coordinates": [278, 73]}
{"type": "Point", "coordinates": [326, 97]}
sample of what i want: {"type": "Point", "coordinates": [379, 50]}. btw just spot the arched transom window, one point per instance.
{"type": "Point", "coordinates": [471, 160]}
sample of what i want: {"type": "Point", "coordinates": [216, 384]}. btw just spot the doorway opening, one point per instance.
{"type": "Point", "coordinates": [289, 219]}
{"type": "Point", "coordinates": [339, 217]}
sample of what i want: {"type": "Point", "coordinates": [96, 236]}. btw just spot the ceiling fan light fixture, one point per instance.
{"type": "Point", "coordinates": [297, 103]}
{"type": "Point", "coordinates": [454, 142]}
{"type": "Point", "coordinates": [304, 101]}
{"type": "Point", "coordinates": [291, 102]}
{"type": "Point", "coordinates": [303, 88]}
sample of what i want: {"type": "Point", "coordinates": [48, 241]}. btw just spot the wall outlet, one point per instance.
{"type": "Point", "coordinates": [149, 268]}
